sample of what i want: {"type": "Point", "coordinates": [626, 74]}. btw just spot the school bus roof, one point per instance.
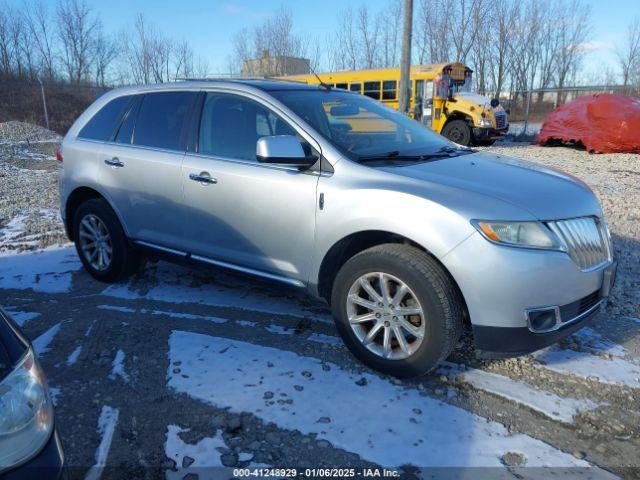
{"type": "Point", "coordinates": [373, 74]}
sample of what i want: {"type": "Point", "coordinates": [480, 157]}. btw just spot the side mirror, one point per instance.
{"type": "Point", "coordinates": [282, 150]}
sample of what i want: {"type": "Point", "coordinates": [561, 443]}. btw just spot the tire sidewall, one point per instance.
{"type": "Point", "coordinates": [461, 123]}
{"type": "Point", "coordinates": [430, 351]}
{"type": "Point", "coordinates": [119, 244]}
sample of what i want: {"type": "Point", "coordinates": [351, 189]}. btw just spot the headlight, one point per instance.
{"type": "Point", "coordinates": [519, 234]}
{"type": "Point", "coordinates": [484, 122]}
{"type": "Point", "coordinates": [26, 413]}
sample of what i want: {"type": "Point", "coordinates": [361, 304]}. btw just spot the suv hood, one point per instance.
{"type": "Point", "coordinates": [545, 193]}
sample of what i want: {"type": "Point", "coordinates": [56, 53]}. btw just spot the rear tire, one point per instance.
{"type": "Point", "coordinates": [458, 131]}
{"type": "Point", "coordinates": [101, 243]}
{"type": "Point", "coordinates": [429, 289]}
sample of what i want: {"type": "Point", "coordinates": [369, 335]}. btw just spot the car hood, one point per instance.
{"type": "Point", "coordinates": [545, 193]}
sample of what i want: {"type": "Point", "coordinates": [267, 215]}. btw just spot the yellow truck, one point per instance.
{"type": "Point", "coordinates": [441, 98]}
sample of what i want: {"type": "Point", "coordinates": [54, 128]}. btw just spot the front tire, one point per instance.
{"type": "Point", "coordinates": [101, 243]}
{"type": "Point", "coordinates": [458, 131]}
{"type": "Point", "coordinates": [397, 310]}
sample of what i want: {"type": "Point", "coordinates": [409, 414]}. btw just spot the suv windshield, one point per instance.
{"type": "Point", "coordinates": [361, 127]}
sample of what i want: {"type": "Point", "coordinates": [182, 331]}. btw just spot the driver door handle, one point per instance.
{"type": "Point", "coordinates": [114, 162]}
{"type": "Point", "coordinates": [203, 177]}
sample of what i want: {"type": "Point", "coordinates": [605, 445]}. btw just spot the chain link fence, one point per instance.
{"type": "Point", "coordinates": [52, 105]}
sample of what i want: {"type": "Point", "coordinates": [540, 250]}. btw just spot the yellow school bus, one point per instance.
{"type": "Point", "coordinates": [441, 98]}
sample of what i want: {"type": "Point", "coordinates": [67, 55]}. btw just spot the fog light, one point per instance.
{"type": "Point", "coordinates": [543, 319]}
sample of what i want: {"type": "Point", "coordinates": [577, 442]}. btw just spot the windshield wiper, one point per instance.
{"type": "Point", "coordinates": [443, 152]}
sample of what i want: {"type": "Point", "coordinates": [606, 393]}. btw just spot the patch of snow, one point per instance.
{"type": "Point", "coordinates": [175, 285]}
{"type": "Point", "coordinates": [117, 308]}
{"type": "Point", "coordinates": [117, 369]}
{"type": "Point", "coordinates": [49, 270]}
{"type": "Point", "coordinates": [246, 323]}
{"type": "Point", "coordinates": [221, 371]}
{"type": "Point", "coordinates": [54, 393]}
{"type": "Point", "coordinates": [21, 318]}
{"type": "Point", "coordinates": [88, 332]}
{"type": "Point", "coordinates": [73, 358]}
{"type": "Point", "coordinates": [204, 453]}
{"type": "Point", "coordinates": [41, 344]}
{"type": "Point", "coordinates": [13, 229]}
{"type": "Point", "coordinates": [106, 427]}
{"type": "Point", "coordinates": [547, 403]}
{"type": "Point", "coordinates": [279, 330]}
{"type": "Point", "coordinates": [326, 339]}
{"type": "Point", "coordinates": [603, 360]}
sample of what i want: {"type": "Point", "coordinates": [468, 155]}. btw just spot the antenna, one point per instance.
{"type": "Point", "coordinates": [326, 86]}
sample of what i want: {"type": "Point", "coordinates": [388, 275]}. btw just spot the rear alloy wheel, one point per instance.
{"type": "Point", "coordinates": [458, 131]}
{"type": "Point", "coordinates": [95, 242]}
{"type": "Point", "coordinates": [101, 242]}
{"type": "Point", "coordinates": [397, 309]}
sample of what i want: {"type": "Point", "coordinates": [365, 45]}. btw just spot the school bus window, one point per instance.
{"type": "Point", "coordinates": [355, 87]}
{"type": "Point", "coordinates": [372, 89]}
{"type": "Point", "coordinates": [418, 89]}
{"type": "Point", "coordinates": [343, 86]}
{"type": "Point", "coordinates": [389, 90]}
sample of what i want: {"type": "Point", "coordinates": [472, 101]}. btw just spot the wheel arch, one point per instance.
{"type": "Point", "coordinates": [354, 243]}
{"type": "Point", "coordinates": [76, 198]}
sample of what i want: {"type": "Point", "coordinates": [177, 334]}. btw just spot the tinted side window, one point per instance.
{"type": "Point", "coordinates": [125, 133]}
{"type": "Point", "coordinates": [161, 119]}
{"type": "Point", "coordinates": [231, 126]}
{"type": "Point", "coordinates": [103, 124]}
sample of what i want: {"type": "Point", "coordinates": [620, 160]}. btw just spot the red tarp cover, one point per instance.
{"type": "Point", "coordinates": [603, 123]}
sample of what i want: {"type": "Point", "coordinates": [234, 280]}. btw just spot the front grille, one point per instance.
{"type": "Point", "coordinates": [577, 308]}
{"type": "Point", "coordinates": [585, 239]}
{"type": "Point", "coordinates": [501, 119]}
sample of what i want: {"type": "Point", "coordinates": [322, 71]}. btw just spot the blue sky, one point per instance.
{"type": "Point", "coordinates": [210, 24]}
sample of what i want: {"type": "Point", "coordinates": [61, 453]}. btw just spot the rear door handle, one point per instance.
{"type": "Point", "coordinates": [203, 177]}
{"type": "Point", "coordinates": [114, 162]}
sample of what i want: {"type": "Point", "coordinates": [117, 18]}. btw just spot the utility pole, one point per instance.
{"type": "Point", "coordinates": [44, 102]}
{"type": "Point", "coordinates": [404, 89]}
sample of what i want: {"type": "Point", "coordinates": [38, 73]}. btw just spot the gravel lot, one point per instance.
{"type": "Point", "coordinates": [118, 349]}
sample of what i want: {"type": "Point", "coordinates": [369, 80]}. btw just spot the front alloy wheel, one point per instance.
{"type": "Point", "coordinates": [385, 315]}
{"type": "Point", "coordinates": [95, 242]}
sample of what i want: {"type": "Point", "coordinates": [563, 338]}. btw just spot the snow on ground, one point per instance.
{"type": "Point", "coordinates": [174, 284]}
{"type": "Point", "coordinates": [144, 311]}
{"type": "Point", "coordinates": [117, 367]}
{"type": "Point", "coordinates": [21, 318]}
{"type": "Point", "coordinates": [106, 426]}
{"type": "Point", "coordinates": [547, 403]}
{"type": "Point", "coordinates": [424, 431]}
{"type": "Point", "coordinates": [41, 344]}
{"type": "Point", "coordinates": [73, 357]}
{"type": "Point", "coordinates": [601, 360]}
{"type": "Point", "coordinates": [195, 459]}
{"type": "Point", "coordinates": [326, 339]}
{"type": "Point", "coordinates": [49, 270]}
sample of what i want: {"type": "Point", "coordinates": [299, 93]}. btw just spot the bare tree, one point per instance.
{"type": "Point", "coordinates": [37, 20]}
{"type": "Point", "coordinates": [76, 33]}
{"type": "Point", "coordinates": [463, 20]}
{"type": "Point", "coordinates": [105, 52]}
{"type": "Point", "coordinates": [573, 31]}
{"type": "Point", "coordinates": [368, 32]}
{"type": "Point", "coordinates": [390, 21]}
{"type": "Point", "coordinates": [343, 48]}
{"type": "Point", "coordinates": [629, 54]}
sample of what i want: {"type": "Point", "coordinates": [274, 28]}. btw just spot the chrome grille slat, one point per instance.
{"type": "Point", "coordinates": [585, 239]}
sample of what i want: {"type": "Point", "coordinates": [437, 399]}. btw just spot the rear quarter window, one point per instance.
{"type": "Point", "coordinates": [161, 119]}
{"type": "Point", "coordinates": [104, 123]}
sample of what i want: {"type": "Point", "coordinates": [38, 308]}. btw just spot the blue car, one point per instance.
{"type": "Point", "coordinates": [29, 444]}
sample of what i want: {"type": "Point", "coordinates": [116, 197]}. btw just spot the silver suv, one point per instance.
{"type": "Point", "coordinates": [405, 234]}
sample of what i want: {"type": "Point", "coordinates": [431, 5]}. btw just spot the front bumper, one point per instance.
{"type": "Point", "coordinates": [500, 284]}
{"type": "Point", "coordinates": [49, 464]}
{"type": "Point", "coordinates": [489, 133]}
